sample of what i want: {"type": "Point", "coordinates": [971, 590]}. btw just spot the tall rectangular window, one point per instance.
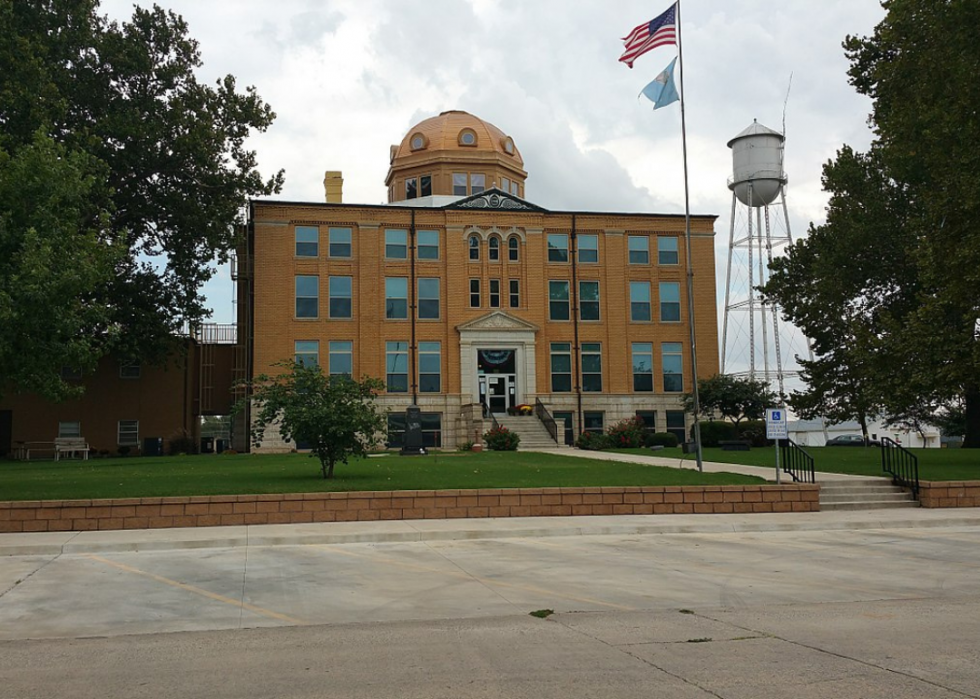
{"type": "Point", "coordinates": [558, 300]}
{"type": "Point", "coordinates": [557, 247]}
{"type": "Point", "coordinates": [642, 366]}
{"type": "Point", "coordinates": [675, 424]}
{"type": "Point", "coordinates": [396, 244]}
{"type": "Point", "coordinates": [588, 300]}
{"type": "Point", "coordinates": [307, 241]}
{"type": "Point", "coordinates": [588, 248]}
{"type": "Point", "coordinates": [639, 301]}
{"type": "Point", "coordinates": [307, 296]}
{"type": "Point", "coordinates": [307, 352]}
{"type": "Point", "coordinates": [128, 433]}
{"type": "Point", "coordinates": [673, 367]}
{"type": "Point", "coordinates": [396, 298]}
{"type": "Point", "coordinates": [411, 188]}
{"type": "Point", "coordinates": [459, 184]}
{"type": "Point", "coordinates": [515, 293]}
{"type": "Point", "coordinates": [475, 301]}
{"type": "Point", "coordinates": [649, 419]}
{"type": "Point", "coordinates": [667, 250]}
{"type": "Point", "coordinates": [427, 245]}
{"type": "Point", "coordinates": [69, 429]}
{"type": "Point", "coordinates": [504, 184]}
{"type": "Point", "coordinates": [340, 297]}
{"type": "Point", "coordinates": [639, 249]}
{"type": "Point", "coordinates": [428, 297]}
{"type": "Point", "coordinates": [396, 367]}
{"type": "Point", "coordinates": [478, 183]}
{"type": "Point", "coordinates": [340, 242]}
{"type": "Point", "coordinates": [425, 186]}
{"type": "Point", "coordinates": [430, 367]}
{"type": "Point", "coordinates": [494, 293]}
{"type": "Point", "coordinates": [561, 367]}
{"type": "Point", "coordinates": [591, 367]}
{"type": "Point", "coordinates": [341, 361]}
{"type": "Point", "coordinates": [670, 302]}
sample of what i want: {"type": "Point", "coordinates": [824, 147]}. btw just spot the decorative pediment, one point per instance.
{"type": "Point", "coordinates": [494, 199]}
{"type": "Point", "coordinates": [498, 321]}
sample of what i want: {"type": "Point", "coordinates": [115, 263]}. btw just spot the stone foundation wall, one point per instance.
{"type": "Point", "coordinates": [949, 493]}
{"type": "Point", "coordinates": [225, 510]}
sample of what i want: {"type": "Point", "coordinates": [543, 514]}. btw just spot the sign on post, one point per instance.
{"type": "Point", "coordinates": [776, 428]}
{"type": "Point", "coordinates": [776, 425]}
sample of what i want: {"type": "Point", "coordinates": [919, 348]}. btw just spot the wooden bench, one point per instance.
{"type": "Point", "coordinates": [70, 446]}
{"type": "Point", "coordinates": [735, 445]}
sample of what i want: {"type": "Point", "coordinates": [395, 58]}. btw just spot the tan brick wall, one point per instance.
{"type": "Point", "coordinates": [207, 511]}
{"type": "Point", "coordinates": [949, 493]}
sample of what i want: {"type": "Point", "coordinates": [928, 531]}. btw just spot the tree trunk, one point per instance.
{"type": "Point", "coordinates": [971, 400]}
{"type": "Point", "coordinates": [329, 470]}
{"type": "Point", "coordinates": [863, 421]}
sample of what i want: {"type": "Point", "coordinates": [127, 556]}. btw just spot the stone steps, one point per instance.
{"type": "Point", "coordinates": [534, 435]}
{"type": "Point", "coordinates": [863, 495]}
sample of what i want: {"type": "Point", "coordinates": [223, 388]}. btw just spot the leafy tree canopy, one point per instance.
{"type": "Point", "coordinates": [335, 415]}
{"type": "Point", "coordinates": [888, 288]}
{"type": "Point", "coordinates": [733, 398]}
{"type": "Point", "coordinates": [138, 174]}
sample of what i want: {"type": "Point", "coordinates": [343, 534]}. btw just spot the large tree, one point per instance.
{"type": "Point", "coordinates": [156, 162]}
{"type": "Point", "coordinates": [895, 271]}
{"type": "Point", "coordinates": [734, 398]}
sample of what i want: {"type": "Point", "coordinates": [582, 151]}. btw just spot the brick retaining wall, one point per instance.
{"type": "Point", "coordinates": [224, 510]}
{"type": "Point", "coordinates": [949, 493]}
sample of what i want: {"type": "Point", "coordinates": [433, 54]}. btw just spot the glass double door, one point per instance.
{"type": "Point", "coordinates": [500, 391]}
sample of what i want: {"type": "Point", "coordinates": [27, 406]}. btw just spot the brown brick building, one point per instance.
{"type": "Point", "coordinates": [461, 292]}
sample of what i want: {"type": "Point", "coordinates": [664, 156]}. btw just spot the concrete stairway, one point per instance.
{"type": "Point", "coordinates": [534, 435]}
{"type": "Point", "coordinates": [863, 495]}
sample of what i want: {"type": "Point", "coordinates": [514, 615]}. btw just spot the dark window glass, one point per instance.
{"type": "Point", "coordinates": [561, 367]}
{"type": "Point", "coordinates": [640, 301]}
{"type": "Point", "coordinates": [557, 247]}
{"type": "Point", "coordinates": [307, 296]}
{"type": "Point", "coordinates": [515, 293]}
{"type": "Point", "coordinates": [428, 297]}
{"type": "Point", "coordinates": [307, 241]}
{"type": "Point", "coordinates": [428, 245]}
{"type": "Point", "coordinates": [425, 184]}
{"type": "Point", "coordinates": [639, 249]}
{"type": "Point", "coordinates": [588, 248]}
{"type": "Point", "coordinates": [670, 302]}
{"type": "Point", "coordinates": [340, 242]}
{"type": "Point", "coordinates": [474, 247]}
{"type": "Point", "coordinates": [513, 248]}
{"type": "Point", "coordinates": [475, 293]}
{"type": "Point", "coordinates": [558, 300]}
{"type": "Point", "coordinates": [667, 251]}
{"type": "Point", "coordinates": [411, 188]}
{"type": "Point", "coordinates": [396, 244]}
{"type": "Point", "coordinates": [494, 293]}
{"type": "Point", "coordinates": [588, 301]}
{"type": "Point", "coordinates": [591, 367]}
{"type": "Point", "coordinates": [340, 297]}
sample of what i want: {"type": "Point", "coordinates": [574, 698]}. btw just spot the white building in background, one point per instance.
{"type": "Point", "coordinates": [810, 433]}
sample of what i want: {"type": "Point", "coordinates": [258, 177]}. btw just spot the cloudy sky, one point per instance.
{"type": "Point", "coordinates": [348, 78]}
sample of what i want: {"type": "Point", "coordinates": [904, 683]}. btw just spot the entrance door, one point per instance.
{"type": "Point", "coordinates": [499, 394]}
{"type": "Point", "coordinates": [6, 432]}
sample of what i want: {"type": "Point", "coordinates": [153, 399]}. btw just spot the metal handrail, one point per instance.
{"type": "Point", "coordinates": [797, 462]}
{"type": "Point", "coordinates": [489, 413]}
{"type": "Point", "coordinates": [546, 418]}
{"type": "Point", "coordinates": [901, 464]}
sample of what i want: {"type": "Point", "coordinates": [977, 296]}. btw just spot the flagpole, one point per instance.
{"type": "Point", "coordinates": [690, 268]}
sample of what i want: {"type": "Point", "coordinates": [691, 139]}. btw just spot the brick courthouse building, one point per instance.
{"type": "Point", "coordinates": [461, 292]}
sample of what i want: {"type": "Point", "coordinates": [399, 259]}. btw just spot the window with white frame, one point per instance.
{"type": "Point", "coordinates": [515, 293]}
{"type": "Point", "coordinates": [475, 301]}
{"type": "Point", "coordinates": [639, 249]}
{"type": "Point", "coordinates": [670, 302]}
{"type": "Point", "coordinates": [643, 366]}
{"type": "Point", "coordinates": [494, 293]}
{"type": "Point", "coordinates": [640, 301]}
{"type": "Point", "coordinates": [561, 367]}
{"type": "Point", "coordinates": [307, 241]}
{"type": "Point", "coordinates": [340, 297]}
{"type": "Point", "coordinates": [341, 358]}
{"type": "Point", "coordinates": [428, 298]}
{"type": "Point", "coordinates": [557, 247]}
{"type": "Point", "coordinates": [396, 363]}
{"type": "Point", "coordinates": [430, 367]}
{"type": "Point", "coordinates": [339, 242]}
{"type": "Point", "coordinates": [591, 367]}
{"type": "Point", "coordinates": [396, 298]}
{"type": "Point", "coordinates": [427, 245]}
{"type": "Point", "coordinates": [396, 244]}
{"type": "Point", "coordinates": [307, 352]}
{"type": "Point", "coordinates": [588, 300]}
{"type": "Point", "coordinates": [128, 433]}
{"type": "Point", "coordinates": [672, 363]}
{"type": "Point", "coordinates": [588, 248]}
{"type": "Point", "coordinates": [558, 300]}
{"type": "Point", "coordinates": [514, 249]}
{"type": "Point", "coordinates": [667, 250]}
{"type": "Point", "coordinates": [307, 296]}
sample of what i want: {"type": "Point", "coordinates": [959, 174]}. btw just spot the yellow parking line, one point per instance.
{"type": "Point", "coordinates": [474, 578]}
{"type": "Point", "coordinates": [199, 591]}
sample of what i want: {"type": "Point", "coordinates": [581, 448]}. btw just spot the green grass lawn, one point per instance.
{"type": "Point", "coordinates": [934, 464]}
{"type": "Point", "coordinates": [298, 473]}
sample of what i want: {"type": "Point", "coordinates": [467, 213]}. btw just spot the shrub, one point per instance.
{"type": "Point", "coordinates": [466, 446]}
{"type": "Point", "coordinates": [501, 439]}
{"type": "Point", "coordinates": [124, 450]}
{"type": "Point", "coordinates": [714, 432]}
{"type": "Point", "coordinates": [181, 442]}
{"type": "Point", "coordinates": [661, 439]}
{"type": "Point", "coordinates": [627, 434]}
{"type": "Point", "coordinates": [593, 441]}
{"type": "Point", "coordinates": [754, 431]}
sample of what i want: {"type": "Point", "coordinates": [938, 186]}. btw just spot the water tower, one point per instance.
{"type": "Point", "coordinates": [751, 339]}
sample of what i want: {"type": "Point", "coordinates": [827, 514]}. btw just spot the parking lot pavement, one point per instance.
{"type": "Point", "coordinates": [884, 608]}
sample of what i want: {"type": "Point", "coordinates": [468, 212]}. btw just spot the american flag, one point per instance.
{"type": "Point", "coordinates": [661, 31]}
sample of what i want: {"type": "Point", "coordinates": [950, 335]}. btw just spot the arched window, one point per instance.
{"type": "Point", "coordinates": [474, 247]}
{"type": "Point", "coordinates": [467, 137]}
{"type": "Point", "coordinates": [513, 248]}
{"type": "Point", "coordinates": [494, 247]}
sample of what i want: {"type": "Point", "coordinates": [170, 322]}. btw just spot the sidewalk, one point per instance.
{"type": "Point", "coordinates": [709, 466]}
{"type": "Point", "coordinates": [54, 543]}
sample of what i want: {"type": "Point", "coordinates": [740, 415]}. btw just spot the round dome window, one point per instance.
{"type": "Point", "coordinates": [418, 142]}
{"type": "Point", "coordinates": [467, 138]}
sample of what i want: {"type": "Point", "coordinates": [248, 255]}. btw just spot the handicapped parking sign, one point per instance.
{"type": "Point", "coordinates": [776, 426]}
